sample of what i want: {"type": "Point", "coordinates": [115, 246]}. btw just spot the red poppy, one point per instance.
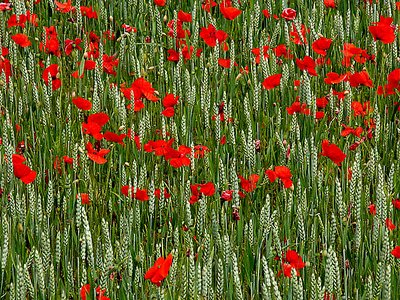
{"type": "Point", "coordinates": [383, 30]}
{"type": "Point", "coordinates": [330, 3]}
{"type": "Point", "coordinates": [372, 209]}
{"type": "Point", "coordinates": [281, 172]}
{"type": "Point", "coordinates": [88, 12]}
{"type": "Point", "coordinates": [361, 109]}
{"type": "Point", "coordinates": [113, 137]}
{"type": "Point", "coordinates": [250, 184]}
{"type": "Point", "coordinates": [100, 293]}
{"type": "Point", "coordinates": [141, 194]}
{"type": "Point", "coordinates": [21, 40]}
{"type": "Point", "coordinates": [229, 12]}
{"type": "Point", "coordinates": [64, 7]}
{"type": "Point", "coordinates": [333, 152]}
{"type": "Point", "coordinates": [4, 6]}
{"type": "Point", "coordinates": [257, 53]}
{"type": "Point", "coordinates": [109, 63]}
{"type": "Point", "coordinates": [272, 81]}
{"type": "Point", "coordinates": [159, 271]}
{"type": "Point", "coordinates": [360, 78]}
{"type": "Point", "coordinates": [84, 198]}
{"type": "Point", "coordinates": [157, 193]}
{"type": "Point", "coordinates": [288, 14]}
{"type": "Point", "coordinates": [5, 64]}
{"type": "Point", "coordinates": [334, 78]}
{"type": "Point", "coordinates": [354, 131]}
{"type": "Point", "coordinates": [210, 35]}
{"type": "Point", "coordinates": [227, 195]}
{"type": "Point", "coordinates": [396, 203]}
{"type": "Point", "coordinates": [200, 151]}
{"type": "Point", "coordinates": [295, 37]}
{"type": "Point", "coordinates": [70, 45]}
{"type": "Point", "coordinates": [184, 16]}
{"type": "Point", "coordinates": [281, 50]}
{"type": "Point", "coordinates": [140, 88]}
{"type": "Point", "coordinates": [291, 261]}
{"type": "Point", "coordinates": [208, 4]}
{"type": "Point", "coordinates": [160, 2]}
{"type": "Point", "coordinates": [22, 171]}
{"type": "Point", "coordinates": [321, 45]}
{"type": "Point", "coordinates": [94, 124]}
{"type": "Point", "coordinates": [396, 252]}
{"type": "Point", "coordinates": [178, 158]}
{"type": "Point", "coordinates": [307, 64]}
{"type": "Point", "coordinates": [389, 224]}
{"type": "Point", "coordinates": [53, 71]}
{"type": "Point", "coordinates": [82, 103]}
{"type": "Point", "coordinates": [297, 107]}
{"type": "Point", "coordinates": [96, 155]}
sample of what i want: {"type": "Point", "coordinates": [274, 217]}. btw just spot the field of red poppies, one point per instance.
{"type": "Point", "coordinates": [227, 149]}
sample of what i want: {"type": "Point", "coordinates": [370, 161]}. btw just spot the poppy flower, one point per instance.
{"type": "Point", "coordinates": [184, 16]}
{"type": "Point", "coordinates": [396, 203]}
{"type": "Point", "coordinates": [178, 158]}
{"type": "Point", "coordinates": [22, 171]}
{"type": "Point", "coordinates": [333, 152]}
{"type": "Point", "coordinates": [82, 103]}
{"type": "Point", "coordinates": [396, 252]}
{"type": "Point", "coordinates": [5, 65]}
{"type": "Point", "coordinates": [361, 109]}
{"type": "Point", "coordinates": [227, 195]}
{"type": "Point", "coordinates": [210, 35]}
{"type": "Point", "coordinates": [321, 45]}
{"type": "Point", "coordinates": [330, 3]}
{"type": "Point", "coordinates": [64, 7]}
{"type": "Point", "coordinates": [157, 193]}
{"type": "Point", "coordinates": [372, 209]}
{"type": "Point", "coordinates": [160, 2]}
{"type": "Point", "coordinates": [229, 12]}
{"type": "Point", "coordinates": [348, 130]}
{"type": "Point", "coordinates": [114, 137]}
{"type": "Point", "coordinates": [141, 194]}
{"type": "Point", "coordinates": [140, 88]}
{"type": "Point", "coordinates": [94, 124]}
{"type": "Point", "coordinates": [206, 189]}
{"type": "Point", "coordinates": [257, 53]}
{"type": "Point", "coordinates": [383, 30]}
{"type": "Point", "coordinates": [296, 38]}
{"type": "Point", "coordinates": [250, 184]}
{"type": "Point", "coordinates": [4, 6]}
{"type": "Point", "coordinates": [84, 198]}
{"type": "Point", "coordinates": [389, 224]}
{"type": "Point", "coordinates": [307, 64]}
{"type": "Point", "coordinates": [297, 107]}
{"type": "Point", "coordinates": [208, 4]}
{"type": "Point", "coordinates": [289, 14]}
{"type": "Point", "coordinates": [334, 78]}
{"type": "Point", "coordinates": [85, 291]}
{"type": "Point", "coordinates": [360, 78]}
{"type": "Point", "coordinates": [21, 40]}
{"type": "Point", "coordinates": [109, 63]}
{"type": "Point", "coordinates": [88, 12]}
{"type": "Point", "coordinates": [52, 73]}
{"type": "Point", "coordinates": [292, 260]}
{"type": "Point", "coordinates": [96, 155]}
{"type": "Point", "coordinates": [200, 151]}
{"type": "Point", "coordinates": [70, 45]}
{"type": "Point", "coordinates": [272, 81]}
{"type": "Point", "coordinates": [159, 271]}
{"type": "Point", "coordinates": [281, 172]}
